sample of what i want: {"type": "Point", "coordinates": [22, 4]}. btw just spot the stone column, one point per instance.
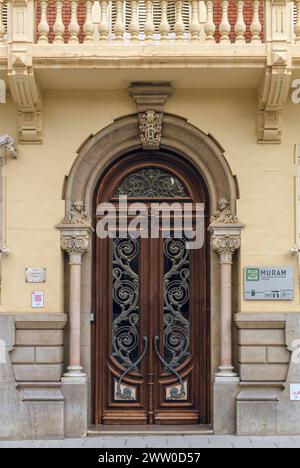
{"type": "Point", "coordinates": [225, 240]}
{"type": "Point", "coordinates": [75, 232]}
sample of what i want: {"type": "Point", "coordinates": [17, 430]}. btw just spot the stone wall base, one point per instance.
{"type": "Point", "coordinates": [276, 415]}
{"type": "Point", "coordinates": [76, 408]}
{"type": "Point", "coordinates": [225, 394]}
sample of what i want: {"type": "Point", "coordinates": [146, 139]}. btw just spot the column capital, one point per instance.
{"type": "Point", "coordinates": [75, 232]}
{"type": "Point", "coordinates": [226, 231]}
{"type": "Point", "coordinates": [225, 245]}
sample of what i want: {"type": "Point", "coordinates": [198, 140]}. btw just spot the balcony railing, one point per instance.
{"type": "Point", "coordinates": [84, 21]}
{"type": "Point", "coordinates": [149, 20]}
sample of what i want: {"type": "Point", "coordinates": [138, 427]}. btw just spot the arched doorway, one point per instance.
{"type": "Point", "coordinates": [151, 336]}
{"type": "Point", "coordinates": [95, 156]}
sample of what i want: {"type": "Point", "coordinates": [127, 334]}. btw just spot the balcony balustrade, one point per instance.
{"type": "Point", "coordinates": [83, 44]}
{"type": "Point", "coordinates": [164, 21]}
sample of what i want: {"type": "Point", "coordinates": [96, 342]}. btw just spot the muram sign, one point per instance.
{"type": "Point", "coordinates": [268, 283]}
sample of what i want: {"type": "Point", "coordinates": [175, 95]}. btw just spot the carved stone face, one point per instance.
{"type": "Point", "coordinates": [78, 205]}
{"type": "Point", "coordinates": [223, 204]}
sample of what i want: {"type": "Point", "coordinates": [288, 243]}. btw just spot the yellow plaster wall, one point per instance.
{"type": "Point", "coordinates": [33, 184]}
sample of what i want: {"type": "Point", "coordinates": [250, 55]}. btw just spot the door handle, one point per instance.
{"type": "Point", "coordinates": [175, 394]}
{"type": "Point", "coordinates": [133, 366]}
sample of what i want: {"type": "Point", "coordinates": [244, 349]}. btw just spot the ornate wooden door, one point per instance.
{"type": "Point", "coordinates": [151, 334]}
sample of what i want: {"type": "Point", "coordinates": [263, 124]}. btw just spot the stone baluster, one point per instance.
{"type": "Point", "coordinates": [255, 27]}
{"type": "Point", "coordinates": [225, 25]}
{"type": "Point", "coordinates": [179, 26]}
{"type": "Point", "coordinates": [164, 27]}
{"type": "Point", "coordinates": [58, 27]}
{"type": "Point", "coordinates": [74, 28]}
{"type": "Point", "coordinates": [119, 26]}
{"type": "Point", "coordinates": [2, 28]}
{"type": "Point", "coordinates": [195, 24]}
{"type": "Point", "coordinates": [43, 27]}
{"type": "Point", "coordinates": [88, 27]}
{"type": "Point", "coordinates": [149, 24]}
{"type": "Point", "coordinates": [209, 27]}
{"type": "Point", "coordinates": [297, 25]}
{"type": "Point", "coordinates": [225, 240]}
{"type": "Point", "coordinates": [134, 27]}
{"type": "Point", "coordinates": [240, 26]}
{"type": "Point", "coordinates": [103, 27]}
{"type": "Point", "coordinates": [75, 233]}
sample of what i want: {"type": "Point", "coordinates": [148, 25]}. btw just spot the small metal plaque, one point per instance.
{"type": "Point", "coordinates": [268, 283]}
{"type": "Point", "coordinates": [295, 392]}
{"type": "Point", "coordinates": [35, 275]}
{"type": "Point", "coordinates": [37, 299]}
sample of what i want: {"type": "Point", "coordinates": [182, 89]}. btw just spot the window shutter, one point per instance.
{"type": "Point", "coordinates": [4, 17]}
{"type": "Point", "coordinates": [171, 12]}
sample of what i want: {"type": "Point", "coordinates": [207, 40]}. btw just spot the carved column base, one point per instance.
{"type": "Point", "coordinates": [226, 373]}
{"type": "Point", "coordinates": [74, 374]}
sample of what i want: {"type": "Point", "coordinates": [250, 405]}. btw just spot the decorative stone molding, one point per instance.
{"type": "Point", "coordinates": [7, 147]}
{"type": "Point", "coordinates": [224, 213]}
{"type": "Point", "coordinates": [277, 80]}
{"type": "Point", "coordinates": [150, 99]}
{"type": "Point", "coordinates": [226, 244]}
{"type": "Point", "coordinates": [75, 232]}
{"type": "Point", "coordinates": [151, 126]}
{"type": "Point", "coordinates": [22, 82]}
{"type": "Point", "coordinates": [76, 215]}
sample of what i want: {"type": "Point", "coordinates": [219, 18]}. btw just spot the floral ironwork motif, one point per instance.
{"type": "Point", "coordinates": [125, 326]}
{"type": "Point", "coordinates": [151, 183]}
{"type": "Point", "coordinates": [176, 309]}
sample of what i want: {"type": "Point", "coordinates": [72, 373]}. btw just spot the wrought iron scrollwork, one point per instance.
{"type": "Point", "coordinates": [176, 332]}
{"type": "Point", "coordinates": [126, 392]}
{"type": "Point", "coordinates": [125, 326]}
{"type": "Point", "coordinates": [175, 394]}
{"type": "Point", "coordinates": [151, 182]}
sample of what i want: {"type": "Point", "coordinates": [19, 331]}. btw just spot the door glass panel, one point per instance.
{"type": "Point", "coordinates": [176, 317]}
{"type": "Point", "coordinates": [126, 313]}
{"type": "Point", "coordinates": [151, 183]}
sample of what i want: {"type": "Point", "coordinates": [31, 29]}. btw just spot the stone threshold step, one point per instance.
{"type": "Point", "coordinates": [146, 430]}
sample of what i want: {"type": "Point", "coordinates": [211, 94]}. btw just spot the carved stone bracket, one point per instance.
{"type": "Point", "coordinates": [150, 99]}
{"type": "Point", "coordinates": [278, 75]}
{"type": "Point", "coordinates": [22, 82]}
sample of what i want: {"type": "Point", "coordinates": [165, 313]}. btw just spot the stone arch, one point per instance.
{"type": "Point", "coordinates": [99, 150]}
{"type": "Point", "coordinates": [95, 155]}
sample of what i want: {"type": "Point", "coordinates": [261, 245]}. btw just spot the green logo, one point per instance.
{"type": "Point", "coordinates": [252, 274]}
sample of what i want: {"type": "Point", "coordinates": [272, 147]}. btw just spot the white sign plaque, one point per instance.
{"type": "Point", "coordinates": [268, 283]}
{"type": "Point", "coordinates": [295, 392]}
{"type": "Point", "coordinates": [37, 299]}
{"type": "Point", "coordinates": [35, 275]}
